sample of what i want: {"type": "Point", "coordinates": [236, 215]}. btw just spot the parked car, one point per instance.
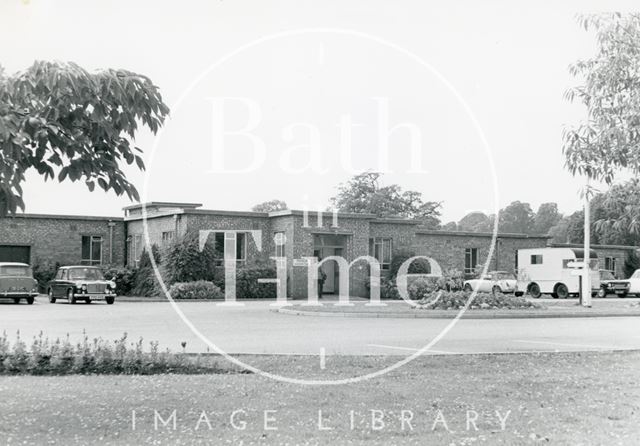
{"type": "Point", "coordinates": [17, 282]}
{"type": "Point", "coordinates": [627, 286]}
{"type": "Point", "coordinates": [606, 277]}
{"type": "Point", "coordinates": [81, 283]}
{"type": "Point", "coordinates": [492, 282]}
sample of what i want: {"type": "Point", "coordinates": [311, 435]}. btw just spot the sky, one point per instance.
{"type": "Point", "coordinates": [459, 100]}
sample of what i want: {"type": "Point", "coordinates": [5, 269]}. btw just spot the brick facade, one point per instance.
{"type": "Point", "coordinates": [58, 238]}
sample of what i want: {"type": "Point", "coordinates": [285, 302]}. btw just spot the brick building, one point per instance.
{"type": "Point", "coordinates": [254, 237]}
{"type": "Point", "coordinates": [35, 238]}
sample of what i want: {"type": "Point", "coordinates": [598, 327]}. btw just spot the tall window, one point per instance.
{"type": "Point", "coordinates": [240, 246]}
{"type": "Point", "coordinates": [279, 240]}
{"type": "Point", "coordinates": [91, 250]}
{"type": "Point", "coordinates": [380, 248]}
{"type": "Point", "coordinates": [470, 260]}
{"type": "Point", "coordinates": [167, 237]}
{"type": "Point", "coordinates": [610, 264]}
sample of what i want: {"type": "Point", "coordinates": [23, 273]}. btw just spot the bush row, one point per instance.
{"type": "Point", "coordinates": [95, 357]}
{"type": "Point", "coordinates": [456, 300]}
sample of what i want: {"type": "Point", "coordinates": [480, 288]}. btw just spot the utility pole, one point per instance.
{"type": "Point", "coordinates": [585, 293]}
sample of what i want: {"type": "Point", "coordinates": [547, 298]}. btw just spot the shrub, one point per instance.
{"type": "Point", "coordinates": [631, 263]}
{"type": "Point", "coordinates": [422, 287]}
{"type": "Point", "coordinates": [145, 282]}
{"type": "Point", "coordinates": [123, 277]}
{"type": "Point", "coordinates": [451, 280]}
{"type": "Point", "coordinates": [388, 289]}
{"type": "Point", "coordinates": [247, 285]}
{"type": "Point", "coordinates": [44, 271]}
{"type": "Point", "coordinates": [186, 263]}
{"type": "Point", "coordinates": [95, 357]}
{"type": "Point", "coordinates": [195, 290]}
{"type": "Point", "coordinates": [455, 300]}
{"type": "Point", "coordinates": [418, 266]}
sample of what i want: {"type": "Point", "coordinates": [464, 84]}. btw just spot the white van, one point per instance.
{"type": "Point", "coordinates": [547, 271]}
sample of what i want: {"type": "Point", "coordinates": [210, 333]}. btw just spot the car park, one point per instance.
{"type": "Point", "coordinates": [86, 283]}
{"type": "Point", "coordinates": [492, 282]}
{"type": "Point", "coordinates": [17, 282]}
{"type": "Point", "coordinates": [622, 288]}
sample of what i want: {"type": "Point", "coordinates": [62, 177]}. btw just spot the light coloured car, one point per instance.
{"type": "Point", "coordinates": [627, 286]}
{"type": "Point", "coordinates": [17, 282]}
{"type": "Point", "coordinates": [493, 282]}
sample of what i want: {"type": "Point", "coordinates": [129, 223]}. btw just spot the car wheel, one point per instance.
{"type": "Point", "coordinates": [496, 290]}
{"type": "Point", "coordinates": [71, 297]}
{"type": "Point", "coordinates": [622, 295]}
{"type": "Point", "coordinates": [87, 300]}
{"type": "Point", "coordinates": [16, 300]}
{"type": "Point", "coordinates": [534, 290]}
{"type": "Point", "coordinates": [52, 300]}
{"type": "Point", "coordinates": [110, 300]}
{"type": "Point", "coordinates": [602, 293]}
{"type": "Point", "coordinates": [30, 300]}
{"type": "Point", "coordinates": [562, 291]}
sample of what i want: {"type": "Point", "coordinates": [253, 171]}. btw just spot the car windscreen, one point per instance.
{"type": "Point", "coordinates": [636, 275]}
{"type": "Point", "coordinates": [606, 275]}
{"type": "Point", "coordinates": [15, 270]}
{"type": "Point", "coordinates": [505, 276]}
{"type": "Point", "coordinates": [85, 273]}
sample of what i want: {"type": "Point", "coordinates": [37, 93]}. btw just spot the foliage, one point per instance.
{"type": "Point", "coordinates": [186, 263]}
{"type": "Point", "coordinates": [456, 300]}
{"type": "Point", "coordinates": [71, 124]}
{"type": "Point", "coordinates": [616, 214]}
{"type": "Point", "coordinates": [388, 289]}
{"type": "Point", "coordinates": [125, 279]}
{"type": "Point", "coordinates": [98, 356]}
{"type": "Point", "coordinates": [145, 281]}
{"type": "Point", "coordinates": [200, 289]}
{"type": "Point", "coordinates": [631, 263]}
{"type": "Point", "coordinates": [609, 139]}
{"type": "Point", "coordinates": [43, 272]}
{"type": "Point", "coordinates": [476, 222]}
{"type": "Point", "coordinates": [270, 206]}
{"type": "Point", "coordinates": [516, 218]}
{"type": "Point", "coordinates": [247, 285]}
{"type": "Point", "coordinates": [422, 287]}
{"type": "Point", "coordinates": [363, 194]}
{"type": "Point", "coordinates": [546, 218]}
{"type": "Point", "coordinates": [418, 266]}
{"type": "Point", "coordinates": [451, 226]}
{"type": "Point", "coordinates": [451, 280]}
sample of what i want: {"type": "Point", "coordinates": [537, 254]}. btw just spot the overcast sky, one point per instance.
{"type": "Point", "coordinates": [449, 71]}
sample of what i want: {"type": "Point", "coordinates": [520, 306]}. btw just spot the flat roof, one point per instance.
{"type": "Point", "coordinates": [162, 204]}
{"type": "Point", "coordinates": [481, 234]}
{"type": "Point", "coordinates": [596, 246]}
{"type": "Point", "coordinates": [65, 217]}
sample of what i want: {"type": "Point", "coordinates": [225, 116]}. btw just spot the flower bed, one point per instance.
{"type": "Point", "coordinates": [455, 300]}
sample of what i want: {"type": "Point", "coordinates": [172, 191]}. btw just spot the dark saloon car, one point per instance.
{"type": "Point", "coordinates": [76, 283]}
{"type": "Point", "coordinates": [17, 282]}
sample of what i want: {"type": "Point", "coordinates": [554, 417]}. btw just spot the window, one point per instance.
{"type": "Point", "coordinates": [167, 237]}
{"type": "Point", "coordinates": [224, 244]}
{"type": "Point", "coordinates": [279, 240]}
{"type": "Point", "coordinates": [536, 259]}
{"type": "Point", "coordinates": [470, 260]}
{"type": "Point", "coordinates": [138, 246]}
{"type": "Point", "coordinates": [610, 264]}
{"type": "Point", "coordinates": [380, 248]}
{"type": "Point", "coordinates": [91, 250]}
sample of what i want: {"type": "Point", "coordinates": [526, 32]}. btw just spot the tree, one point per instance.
{"type": "Point", "coordinates": [631, 263]}
{"type": "Point", "coordinates": [185, 262]}
{"type": "Point", "coordinates": [68, 123]}
{"type": "Point", "coordinates": [615, 214]}
{"type": "Point", "coordinates": [517, 217]}
{"type": "Point", "coordinates": [475, 222]}
{"type": "Point", "coordinates": [363, 194]}
{"type": "Point", "coordinates": [270, 206]}
{"type": "Point", "coordinates": [546, 217]}
{"type": "Point", "coordinates": [451, 226]}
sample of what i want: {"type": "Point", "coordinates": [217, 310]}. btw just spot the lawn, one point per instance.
{"type": "Point", "coordinates": [568, 398]}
